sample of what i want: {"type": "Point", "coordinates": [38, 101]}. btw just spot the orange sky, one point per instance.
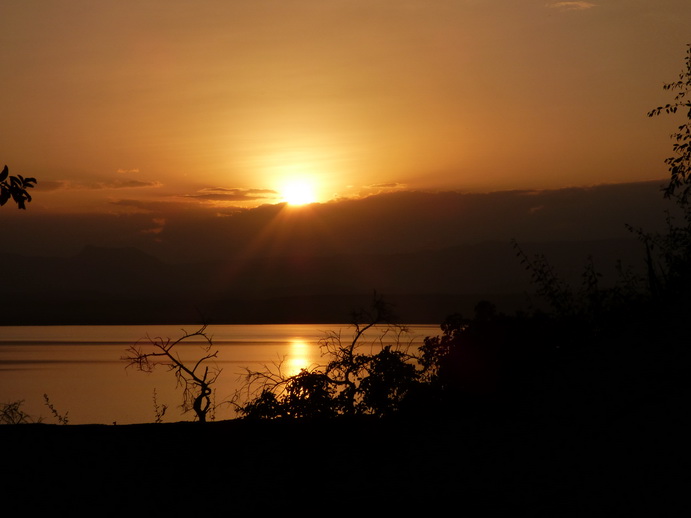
{"type": "Point", "coordinates": [114, 103]}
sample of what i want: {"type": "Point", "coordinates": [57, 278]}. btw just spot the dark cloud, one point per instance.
{"type": "Point", "coordinates": [126, 184]}
{"type": "Point", "coordinates": [47, 185]}
{"type": "Point", "coordinates": [395, 222]}
{"type": "Point", "coordinates": [157, 226]}
{"type": "Point", "coordinates": [160, 206]}
{"type": "Point", "coordinates": [96, 185]}
{"type": "Point", "coordinates": [123, 184]}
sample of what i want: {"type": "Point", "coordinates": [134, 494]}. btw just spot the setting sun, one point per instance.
{"type": "Point", "coordinates": [298, 192]}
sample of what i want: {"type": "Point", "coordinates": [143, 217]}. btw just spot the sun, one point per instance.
{"type": "Point", "coordinates": [298, 192]}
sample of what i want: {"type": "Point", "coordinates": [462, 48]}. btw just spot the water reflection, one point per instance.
{"type": "Point", "coordinates": [300, 356]}
{"type": "Point", "coordinates": [80, 369]}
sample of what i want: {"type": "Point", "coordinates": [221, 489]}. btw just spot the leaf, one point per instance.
{"type": "Point", "coordinates": [4, 174]}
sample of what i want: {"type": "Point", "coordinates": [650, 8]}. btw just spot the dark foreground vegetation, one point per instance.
{"type": "Point", "coordinates": [578, 410]}
{"type": "Point", "coordinates": [625, 464]}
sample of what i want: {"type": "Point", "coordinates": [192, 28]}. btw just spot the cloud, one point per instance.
{"type": "Point", "coordinates": [381, 188]}
{"type": "Point", "coordinates": [394, 222]}
{"type": "Point", "coordinates": [146, 206]}
{"type": "Point", "coordinates": [48, 185]}
{"type": "Point", "coordinates": [125, 184]}
{"type": "Point", "coordinates": [223, 194]}
{"type": "Point", "coordinates": [125, 171]}
{"type": "Point", "coordinates": [72, 185]}
{"type": "Point", "coordinates": [391, 185]}
{"type": "Point", "coordinates": [157, 228]}
{"type": "Point", "coordinates": [572, 6]}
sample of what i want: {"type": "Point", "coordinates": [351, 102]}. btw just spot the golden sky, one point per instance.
{"type": "Point", "coordinates": [116, 103]}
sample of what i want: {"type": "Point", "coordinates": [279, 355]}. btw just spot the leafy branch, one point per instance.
{"type": "Point", "coordinates": [61, 418]}
{"type": "Point", "coordinates": [15, 188]}
{"type": "Point", "coordinates": [680, 164]}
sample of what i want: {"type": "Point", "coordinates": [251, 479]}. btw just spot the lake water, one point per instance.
{"type": "Point", "coordinates": [80, 368]}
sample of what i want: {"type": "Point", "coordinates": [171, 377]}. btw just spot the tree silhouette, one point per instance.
{"type": "Point", "coordinates": [15, 188]}
{"type": "Point", "coordinates": [350, 383]}
{"type": "Point", "coordinates": [668, 255]}
{"type": "Point", "coordinates": [680, 163]}
{"type": "Point", "coordinates": [195, 379]}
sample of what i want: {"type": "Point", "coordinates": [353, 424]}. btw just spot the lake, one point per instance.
{"type": "Point", "coordinates": [80, 368]}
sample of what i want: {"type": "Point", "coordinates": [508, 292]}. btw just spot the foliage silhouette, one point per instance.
{"type": "Point", "coordinates": [668, 255]}
{"type": "Point", "coordinates": [12, 413]}
{"type": "Point", "coordinates": [15, 188]}
{"type": "Point", "coordinates": [196, 379]}
{"type": "Point", "coordinates": [591, 339]}
{"type": "Point", "coordinates": [159, 410]}
{"type": "Point", "coordinates": [591, 301]}
{"type": "Point", "coordinates": [61, 418]}
{"type": "Point", "coordinates": [627, 339]}
{"type": "Point", "coordinates": [351, 383]}
{"type": "Point", "coordinates": [662, 293]}
{"type": "Point", "coordinates": [680, 163]}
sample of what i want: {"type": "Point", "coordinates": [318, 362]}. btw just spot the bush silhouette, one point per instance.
{"type": "Point", "coordinates": [350, 383]}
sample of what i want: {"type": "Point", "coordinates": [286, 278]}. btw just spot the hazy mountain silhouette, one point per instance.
{"type": "Point", "coordinates": [430, 253]}
{"type": "Point", "coordinates": [125, 285]}
{"type": "Point", "coordinates": [399, 222]}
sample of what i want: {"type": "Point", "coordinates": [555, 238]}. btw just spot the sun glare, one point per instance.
{"type": "Point", "coordinates": [298, 358]}
{"type": "Point", "coordinates": [299, 192]}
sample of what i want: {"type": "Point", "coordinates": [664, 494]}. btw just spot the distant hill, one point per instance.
{"type": "Point", "coordinates": [399, 222]}
{"type": "Point", "coordinates": [431, 254]}
{"type": "Point", "coordinates": [102, 285]}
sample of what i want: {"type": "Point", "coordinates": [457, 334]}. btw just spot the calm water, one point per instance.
{"type": "Point", "coordinates": [81, 371]}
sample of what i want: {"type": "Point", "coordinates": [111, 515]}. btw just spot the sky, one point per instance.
{"type": "Point", "coordinates": [122, 106]}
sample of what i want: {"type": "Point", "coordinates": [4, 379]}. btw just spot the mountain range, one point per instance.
{"type": "Point", "coordinates": [127, 286]}
{"type": "Point", "coordinates": [429, 254]}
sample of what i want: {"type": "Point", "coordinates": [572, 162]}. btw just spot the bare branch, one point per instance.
{"type": "Point", "coordinates": [196, 386]}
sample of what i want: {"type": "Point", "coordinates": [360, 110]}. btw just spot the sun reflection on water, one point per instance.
{"type": "Point", "coordinates": [300, 356]}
